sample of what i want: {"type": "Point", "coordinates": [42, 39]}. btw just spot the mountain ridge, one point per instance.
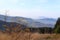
{"type": "Point", "coordinates": [26, 21]}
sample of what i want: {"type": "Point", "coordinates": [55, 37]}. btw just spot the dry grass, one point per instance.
{"type": "Point", "coordinates": [28, 36]}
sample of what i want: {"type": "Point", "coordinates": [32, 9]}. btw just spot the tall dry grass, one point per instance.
{"type": "Point", "coordinates": [28, 36]}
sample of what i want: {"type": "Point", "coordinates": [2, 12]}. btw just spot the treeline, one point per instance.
{"type": "Point", "coordinates": [41, 30]}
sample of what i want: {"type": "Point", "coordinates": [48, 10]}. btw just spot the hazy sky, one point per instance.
{"type": "Point", "coordinates": [31, 8]}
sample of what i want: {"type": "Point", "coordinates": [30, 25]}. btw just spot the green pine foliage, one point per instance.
{"type": "Point", "coordinates": [57, 26]}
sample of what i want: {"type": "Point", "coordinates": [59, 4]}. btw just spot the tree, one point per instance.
{"type": "Point", "coordinates": [57, 26]}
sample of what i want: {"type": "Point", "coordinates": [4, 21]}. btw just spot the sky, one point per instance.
{"type": "Point", "coordinates": [31, 8]}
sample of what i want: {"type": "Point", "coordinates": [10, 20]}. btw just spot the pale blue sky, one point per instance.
{"type": "Point", "coordinates": [31, 8]}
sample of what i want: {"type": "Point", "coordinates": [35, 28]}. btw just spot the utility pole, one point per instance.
{"type": "Point", "coordinates": [6, 15]}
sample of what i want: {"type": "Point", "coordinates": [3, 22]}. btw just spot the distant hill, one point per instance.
{"type": "Point", "coordinates": [47, 20]}
{"type": "Point", "coordinates": [36, 23]}
{"type": "Point", "coordinates": [8, 25]}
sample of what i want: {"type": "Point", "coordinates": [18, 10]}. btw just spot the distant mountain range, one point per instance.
{"type": "Point", "coordinates": [47, 20]}
{"type": "Point", "coordinates": [36, 23]}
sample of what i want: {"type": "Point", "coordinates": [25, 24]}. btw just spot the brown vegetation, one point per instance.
{"type": "Point", "coordinates": [28, 36]}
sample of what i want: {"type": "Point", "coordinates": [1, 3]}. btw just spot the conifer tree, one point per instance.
{"type": "Point", "coordinates": [57, 26]}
